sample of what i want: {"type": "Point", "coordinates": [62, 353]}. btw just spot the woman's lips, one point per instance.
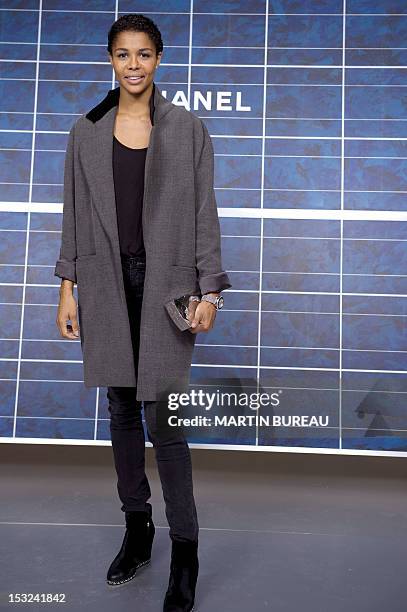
{"type": "Point", "coordinates": [134, 80]}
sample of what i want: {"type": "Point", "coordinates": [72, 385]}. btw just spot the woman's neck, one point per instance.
{"type": "Point", "coordinates": [136, 107]}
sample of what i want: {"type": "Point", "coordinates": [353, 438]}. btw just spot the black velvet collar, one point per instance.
{"type": "Point", "coordinates": [112, 99]}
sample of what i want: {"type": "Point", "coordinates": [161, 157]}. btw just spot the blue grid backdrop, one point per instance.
{"type": "Point", "coordinates": [306, 104]}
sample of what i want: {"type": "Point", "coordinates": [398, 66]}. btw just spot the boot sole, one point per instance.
{"type": "Point", "coordinates": [111, 582]}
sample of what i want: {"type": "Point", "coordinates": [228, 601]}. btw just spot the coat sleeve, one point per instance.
{"type": "Point", "coordinates": [212, 278]}
{"type": "Point", "coordinates": [65, 266]}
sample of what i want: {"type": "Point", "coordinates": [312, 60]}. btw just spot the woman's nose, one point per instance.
{"type": "Point", "coordinates": [133, 63]}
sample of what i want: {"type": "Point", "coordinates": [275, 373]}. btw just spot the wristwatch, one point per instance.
{"type": "Point", "coordinates": [217, 301]}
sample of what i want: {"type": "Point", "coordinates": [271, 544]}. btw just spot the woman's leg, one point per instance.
{"type": "Point", "coordinates": [175, 470]}
{"type": "Point", "coordinates": [128, 443]}
{"type": "Point", "coordinates": [126, 427]}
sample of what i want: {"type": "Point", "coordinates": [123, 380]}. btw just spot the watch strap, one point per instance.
{"type": "Point", "coordinates": [207, 297]}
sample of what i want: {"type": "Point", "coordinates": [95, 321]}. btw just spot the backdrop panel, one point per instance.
{"type": "Point", "coordinates": [306, 104]}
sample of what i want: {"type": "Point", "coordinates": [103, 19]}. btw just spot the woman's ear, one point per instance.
{"type": "Point", "coordinates": [159, 57]}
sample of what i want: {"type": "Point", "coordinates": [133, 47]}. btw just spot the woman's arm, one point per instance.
{"type": "Point", "coordinates": [65, 266]}
{"type": "Point", "coordinates": [212, 278]}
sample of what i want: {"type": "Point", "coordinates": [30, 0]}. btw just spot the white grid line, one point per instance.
{"type": "Point", "coordinates": [268, 310]}
{"type": "Point", "coordinates": [271, 156]}
{"type": "Point", "coordinates": [229, 136]}
{"type": "Point", "coordinates": [342, 176]}
{"type": "Point", "coordinates": [222, 65]}
{"type": "Point", "coordinates": [263, 146]}
{"type": "Point", "coordinates": [252, 213]}
{"type": "Point", "coordinates": [191, 24]}
{"type": "Point", "coordinates": [76, 44]}
{"type": "Point", "coordinates": [357, 138]}
{"type": "Point", "coordinates": [215, 83]}
{"type": "Point", "coordinates": [20, 344]}
{"type": "Point", "coordinates": [211, 345]}
{"type": "Point", "coordinates": [203, 365]}
{"type": "Point", "coordinates": [211, 14]}
{"type": "Point", "coordinates": [269, 291]}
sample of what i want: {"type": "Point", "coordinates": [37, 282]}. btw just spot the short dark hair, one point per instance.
{"type": "Point", "coordinates": [137, 23]}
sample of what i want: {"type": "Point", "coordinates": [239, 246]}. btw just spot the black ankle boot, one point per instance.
{"type": "Point", "coordinates": [180, 595]}
{"type": "Point", "coordinates": [136, 547]}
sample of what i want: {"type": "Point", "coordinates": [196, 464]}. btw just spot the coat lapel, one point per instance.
{"type": "Point", "coordinates": [96, 155]}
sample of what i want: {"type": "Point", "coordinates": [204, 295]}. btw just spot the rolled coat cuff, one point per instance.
{"type": "Point", "coordinates": [65, 269]}
{"type": "Point", "coordinates": [214, 283]}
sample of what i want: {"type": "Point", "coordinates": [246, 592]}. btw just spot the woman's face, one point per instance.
{"type": "Point", "coordinates": [134, 54]}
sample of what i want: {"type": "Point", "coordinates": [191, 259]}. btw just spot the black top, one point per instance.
{"type": "Point", "coordinates": [128, 172]}
{"type": "Point", "coordinates": [128, 175]}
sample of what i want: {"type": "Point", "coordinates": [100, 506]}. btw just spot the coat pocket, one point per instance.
{"type": "Point", "coordinates": [85, 257]}
{"type": "Point", "coordinates": [88, 295]}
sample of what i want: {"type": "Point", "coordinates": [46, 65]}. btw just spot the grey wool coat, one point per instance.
{"type": "Point", "coordinates": [182, 242]}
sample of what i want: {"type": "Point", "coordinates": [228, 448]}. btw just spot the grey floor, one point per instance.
{"type": "Point", "coordinates": [282, 532]}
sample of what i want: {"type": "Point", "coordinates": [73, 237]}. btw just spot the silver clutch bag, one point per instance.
{"type": "Point", "coordinates": [178, 309]}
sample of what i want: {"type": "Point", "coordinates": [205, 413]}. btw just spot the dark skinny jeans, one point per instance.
{"type": "Point", "coordinates": [171, 449]}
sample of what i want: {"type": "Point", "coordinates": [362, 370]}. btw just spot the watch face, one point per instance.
{"type": "Point", "coordinates": [220, 302]}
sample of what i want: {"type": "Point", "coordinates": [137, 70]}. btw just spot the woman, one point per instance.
{"type": "Point", "coordinates": [140, 228]}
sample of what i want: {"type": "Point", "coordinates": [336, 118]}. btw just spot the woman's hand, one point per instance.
{"type": "Point", "coordinates": [202, 316]}
{"type": "Point", "coordinates": [67, 311]}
